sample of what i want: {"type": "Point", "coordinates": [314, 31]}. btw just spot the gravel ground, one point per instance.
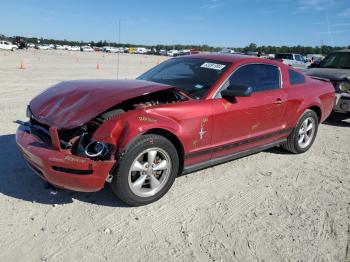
{"type": "Point", "coordinates": [271, 206]}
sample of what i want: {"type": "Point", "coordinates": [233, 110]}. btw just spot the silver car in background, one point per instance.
{"type": "Point", "coordinates": [294, 60]}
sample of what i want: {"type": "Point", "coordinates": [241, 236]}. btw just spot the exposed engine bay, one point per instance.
{"type": "Point", "coordinates": [78, 140]}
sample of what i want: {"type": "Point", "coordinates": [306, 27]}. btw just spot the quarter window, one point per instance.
{"type": "Point", "coordinates": [260, 77]}
{"type": "Point", "coordinates": [295, 78]}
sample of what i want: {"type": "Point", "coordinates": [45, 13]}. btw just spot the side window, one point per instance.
{"type": "Point", "coordinates": [298, 58]}
{"type": "Point", "coordinates": [295, 78]}
{"type": "Point", "coordinates": [260, 77]}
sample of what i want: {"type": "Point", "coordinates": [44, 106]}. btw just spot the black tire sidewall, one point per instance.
{"type": "Point", "coordinates": [308, 113]}
{"type": "Point", "coordinates": [120, 184]}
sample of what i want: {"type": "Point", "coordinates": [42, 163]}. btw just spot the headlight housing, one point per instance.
{"type": "Point", "coordinates": [344, 86]}
{"type": "Point", "coordinates": [97, 149]}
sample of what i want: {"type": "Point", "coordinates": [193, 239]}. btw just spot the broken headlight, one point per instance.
{"type": "Point", "coordinates": [344, 86]}
{"type": "Point", "coordinates": [96, 149]}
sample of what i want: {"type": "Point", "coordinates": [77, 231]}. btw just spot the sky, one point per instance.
{"type": "Point", "coordinates": [221, 23]}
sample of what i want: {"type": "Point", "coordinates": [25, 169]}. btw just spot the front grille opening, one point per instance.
{"type": "Point", "coordinates": [72, 171]}
{"type": "Point", "coordinates": [41, 131]}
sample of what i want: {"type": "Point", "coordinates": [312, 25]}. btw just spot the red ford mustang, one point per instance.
{"type": "Point", "coordinates": [183, 115]}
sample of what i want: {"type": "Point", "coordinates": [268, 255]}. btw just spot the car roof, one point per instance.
{"type": "Point", "coordinates": [233, 58]}
{"type": "Point", "coordinates": [287, 54]}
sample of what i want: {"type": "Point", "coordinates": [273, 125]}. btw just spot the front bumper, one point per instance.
{"type": "Point", "coordinates": [342, 103]}
{"type": "Point", "coordinates": [61, 168]}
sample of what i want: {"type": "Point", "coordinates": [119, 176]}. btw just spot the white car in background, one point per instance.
{"type": "Point", "coordinates": [67, 47]}
{"type": "Point", "coordinates": [141, 50]}
{"type": "Point", "coordinates": [44, 47]}
{"type": "Point", "coordinates": [294, 60]}
{"type": "Point", "coordinates": [121, 49]}
{"type": "Point", "coordinates": [7, 46]}
{"type": "Point", "coordinates": [75, 48]}
{"type": "Point", "coordinates": [59, 47]}
{"type": "Point", "coordinates": [87, 49]}
{"type": "Point", "coordinates": [227, 51]}
{"type": "Point", "coordinates": [172, 52]}
{"type": "Point", "coordinates": [110, 49]}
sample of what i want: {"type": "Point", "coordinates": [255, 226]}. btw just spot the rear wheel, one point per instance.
{"type": "Point", "coordinates": [304, 134]}
{"type": "Point", "coordinates": [146, 171]}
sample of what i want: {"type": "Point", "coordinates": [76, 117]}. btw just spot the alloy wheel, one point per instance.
{"type": "Point", "coordinates": [149, 172]}
{"type": "Point", "coordinates": [306, 132]}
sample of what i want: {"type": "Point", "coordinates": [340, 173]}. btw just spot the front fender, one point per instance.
{"type": "Point", "coordinates": [121, 130]}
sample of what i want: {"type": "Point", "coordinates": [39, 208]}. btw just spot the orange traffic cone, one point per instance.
{"type": "Point", "coordinates": [22, 66]}
{"type": "Point", "coordinates": [98, 66]}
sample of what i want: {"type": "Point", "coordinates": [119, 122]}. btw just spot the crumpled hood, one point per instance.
{"type": "Point", "coordinates": [73, 103]}
{"type": "Point", "coordinates": [332, 74]}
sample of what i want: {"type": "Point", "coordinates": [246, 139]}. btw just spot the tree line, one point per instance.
{"type": "Point", "coordinates": [252, 47]}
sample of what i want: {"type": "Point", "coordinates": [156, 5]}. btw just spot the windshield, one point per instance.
{"type": "Point", "coordinates": [340, 60]}
{"type": "Point", "coordinates": [195, 76]}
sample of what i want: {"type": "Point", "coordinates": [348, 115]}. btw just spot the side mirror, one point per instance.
{"type": "Point", "coordinates": [236, 90]}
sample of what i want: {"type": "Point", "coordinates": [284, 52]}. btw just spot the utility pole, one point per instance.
{"type": "Point", "coordinates": [118, 50]}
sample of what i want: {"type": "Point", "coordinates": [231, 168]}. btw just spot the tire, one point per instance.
{"type": "Point", "coordinates": [133, 180]}
{"type": "Point", "coordinates": [297, 141]}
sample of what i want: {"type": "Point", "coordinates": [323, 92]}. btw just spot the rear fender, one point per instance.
{"type": "Point", "coordinates": [303, 107]}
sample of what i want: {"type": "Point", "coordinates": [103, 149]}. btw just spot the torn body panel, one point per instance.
{"type": "Point", "coordinates": [73, 103]}
{"type": "Point", "coordinates": [189, 121]}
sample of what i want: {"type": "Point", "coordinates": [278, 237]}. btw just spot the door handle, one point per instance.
{"type": "Point", "coordinates": [279, 101]}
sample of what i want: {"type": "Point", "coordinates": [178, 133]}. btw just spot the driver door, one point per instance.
{"type": "Point", "coordinates": [249, 122]}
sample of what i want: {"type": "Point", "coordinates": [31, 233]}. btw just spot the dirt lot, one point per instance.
{"type": "Point", "coordinates": [271, 206]}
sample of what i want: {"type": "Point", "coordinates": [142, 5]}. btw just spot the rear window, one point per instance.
{"type": "Point", "coordinates": [295, 78]}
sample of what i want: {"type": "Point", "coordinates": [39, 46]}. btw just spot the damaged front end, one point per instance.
{"type": "Point", "coordinates": [77, 141]}
{"type": "Point", "coordinates": [70, 157]}
{"type": "Point", "coordinates": [50, 157]}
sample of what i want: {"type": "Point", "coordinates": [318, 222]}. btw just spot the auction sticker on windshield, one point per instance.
{"type": "Point", "coordinates": [213, 66]}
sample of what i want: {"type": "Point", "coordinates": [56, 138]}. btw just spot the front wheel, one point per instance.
{"type": "Point", "coordinates": [304, 134]}
{"type": "Point", "coordinates": [146, 171]}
